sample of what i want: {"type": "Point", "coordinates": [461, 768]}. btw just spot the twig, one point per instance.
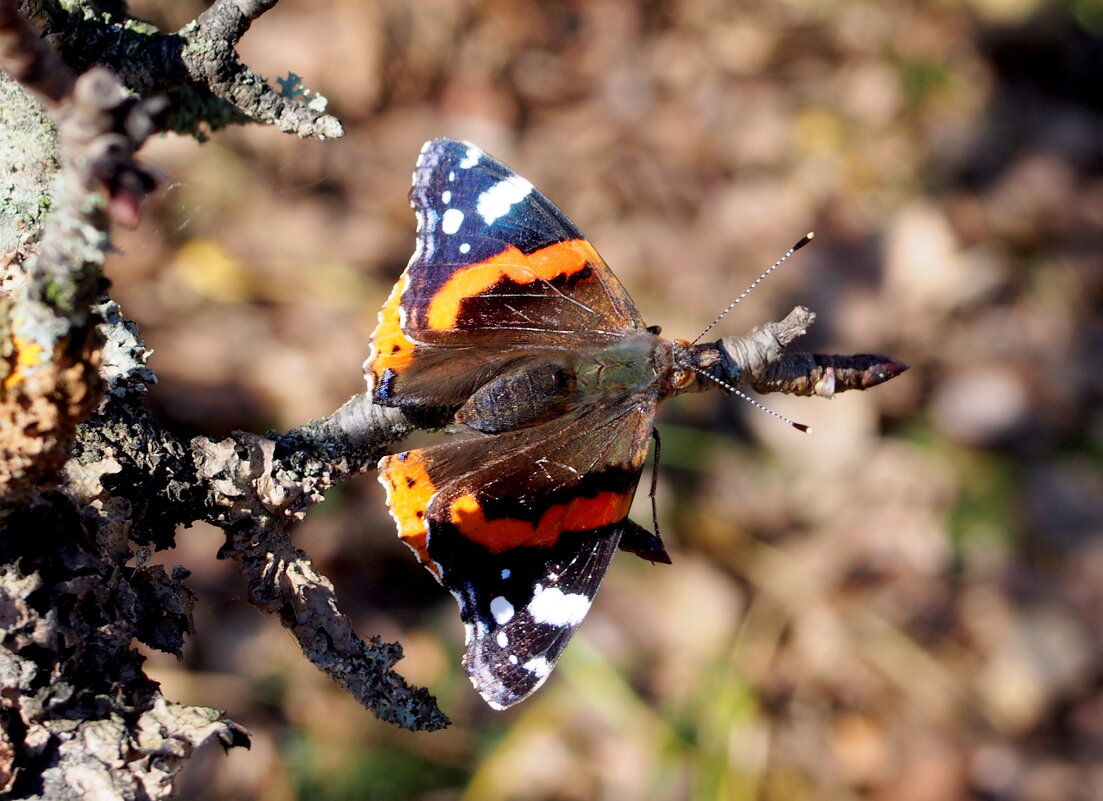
{"type": "Point", "coordinates": [230, 19]}
{"type": "Point", "coordinates": [758, 360]}
{"type": "Point", "coordinates": [198, 64]}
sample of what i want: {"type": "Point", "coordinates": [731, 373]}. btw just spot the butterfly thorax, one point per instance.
{"type": "Point", "coordinates": [558, 382]}
{"type": "Point", "coordinates": [640, 363]}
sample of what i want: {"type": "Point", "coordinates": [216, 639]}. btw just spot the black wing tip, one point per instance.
{"type": "Point", "coordinates": [499, 702]}
{"type": "Point", "coordinates": [502, 689]}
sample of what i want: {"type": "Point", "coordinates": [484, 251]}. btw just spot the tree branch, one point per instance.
{"type": "Point", "coordinates": [758, 360]}
{"type": "Point", "coordinates": [255, 488]}
{"type": "Point", "coordinates": [228, 20]}
{"type": "Point", "coordinates": [75, 586]}
{"type": "Point", "coordinates": [198, 66]}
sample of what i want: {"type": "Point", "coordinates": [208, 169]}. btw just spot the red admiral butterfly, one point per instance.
{"type": "Point", "coordinates": [507, 321]}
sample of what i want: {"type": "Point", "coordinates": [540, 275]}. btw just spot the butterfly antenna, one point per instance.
{"type": "Point", "coordinates": [804, 240]}
{"type": "Point", "coordinates": [761, 407]}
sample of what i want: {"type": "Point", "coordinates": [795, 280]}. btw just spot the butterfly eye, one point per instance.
{"type": "Point", "coordinates": [684, 364]}
{"type": "Point", "coordinates": [683, 378]}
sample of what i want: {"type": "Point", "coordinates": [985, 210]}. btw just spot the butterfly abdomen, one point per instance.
{"type": "Point", "coordinates": [549, 386]}
{"type": "Point", "coordinates": [520, 397]}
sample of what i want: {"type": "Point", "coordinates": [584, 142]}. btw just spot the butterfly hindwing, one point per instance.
{"type": "Point", "coordinates": [520, 527]}
{"type": "Point", "coordinates": [523, 607]}
{"type": "Point", "coordinates": [457, 501]}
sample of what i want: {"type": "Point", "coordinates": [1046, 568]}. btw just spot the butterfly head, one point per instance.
{"type": "Point", "coordinates": [687, 364]}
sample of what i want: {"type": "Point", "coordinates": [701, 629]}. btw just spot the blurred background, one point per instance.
{"type": "Point", "coordinates": [906, 604]}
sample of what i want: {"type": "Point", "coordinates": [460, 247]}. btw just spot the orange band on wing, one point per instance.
{"type": "Point", "coordinates": [562, 258]}
{"type": "Point", "coordinates": [579, 514]}
{"type": "Point", "coordinates": [391, 348]}
{"type": "Point", "coordinates": [409, 490]}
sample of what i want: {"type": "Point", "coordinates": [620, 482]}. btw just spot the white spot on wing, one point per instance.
{"type": "Point", "coordinates": [539, 667]}
{"type": "Point", "coordinates": [465, 248]}
{"type": "Point", "coordinates": [446, 196]}
{"type": "Point", "coordinates": [452, 175]}
{"type": "Point", "coordinates": [555, 608]}
{"type": "Point", "coordinates": [496, 201]}
{"type": "Point", "coordinates": [505, 573]}
{"type": "Point", "coordinates": [502, 610]}
{"type": "Point", "coordinates": [503, 639]}
{"type": "Point", "coordinates": [451, 221]}
{"type": "Point", "coordinates": [471, 158]}
{"type": "Point", "coordinates": [513, 659]}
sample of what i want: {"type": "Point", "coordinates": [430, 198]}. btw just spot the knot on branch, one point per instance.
{"type": "Point", "coordinates": [104, 128]}
{"type": "Point", "coordinates": [244, 479]}
{"type": "Point", "coordinates": [753, 354]}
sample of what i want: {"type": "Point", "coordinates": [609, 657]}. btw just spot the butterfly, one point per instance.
{"type": "Point", "coordinates": [507, 324]}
